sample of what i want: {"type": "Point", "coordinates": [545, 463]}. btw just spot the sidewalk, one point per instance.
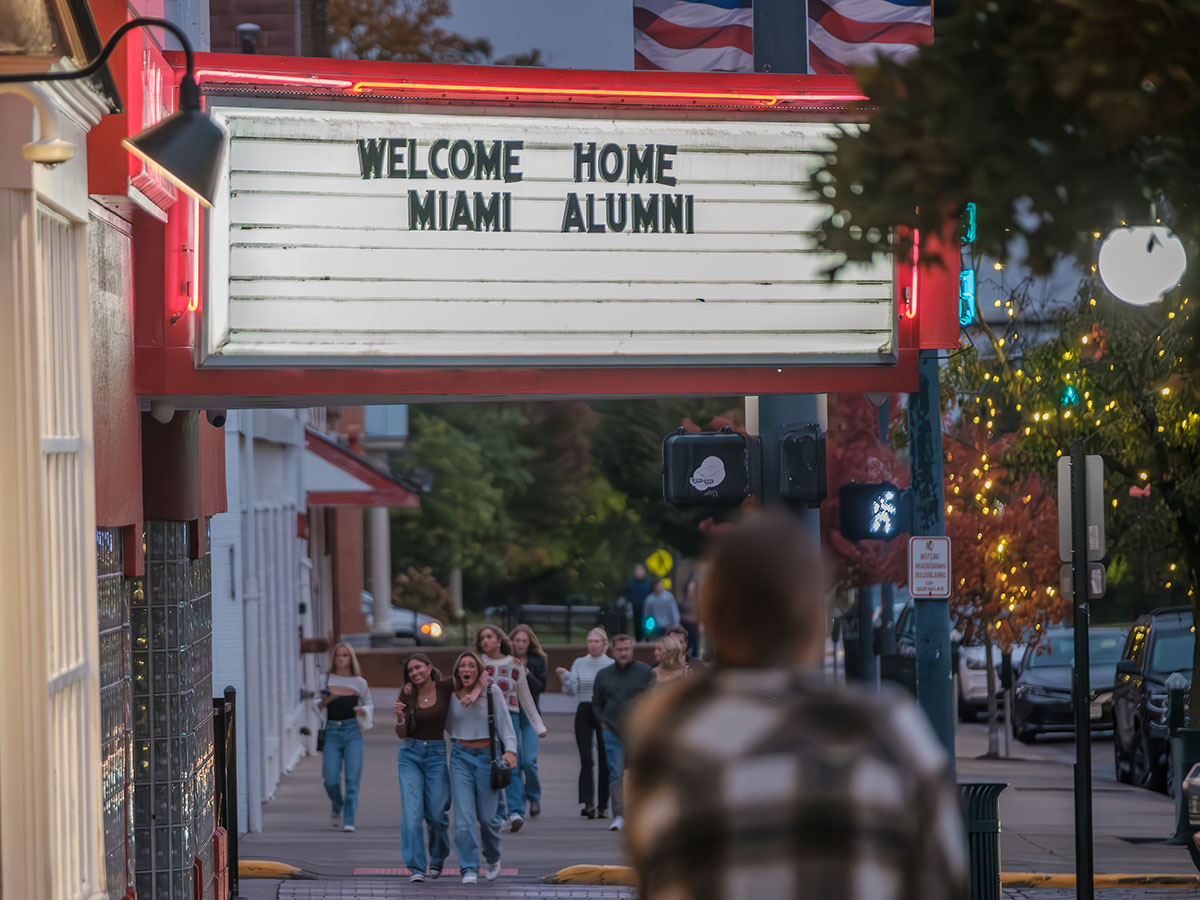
{"type": "Point", "coordinates": [296, 822]}
{"type": "Point", "coordinates": [1037, 811]}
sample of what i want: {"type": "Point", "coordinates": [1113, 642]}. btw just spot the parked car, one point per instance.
{"type": "Point", "coordinates": [1159, 644]}
{"type": "Point", "coordinates": [972, 679]}
{"type": "Point", "coordinates": [1042, 688]}
{"type": "Point", "coordinates": [407, 623]}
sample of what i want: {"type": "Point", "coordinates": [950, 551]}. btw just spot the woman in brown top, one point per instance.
{"type": "Point", "coordinates": [421, 762]}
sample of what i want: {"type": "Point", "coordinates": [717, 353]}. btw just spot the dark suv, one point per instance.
{"type": "Point", "coordinates": [1159, 644]}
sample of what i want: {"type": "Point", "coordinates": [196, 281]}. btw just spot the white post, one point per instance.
{"type": "Point", "coordinates": [381, 573]}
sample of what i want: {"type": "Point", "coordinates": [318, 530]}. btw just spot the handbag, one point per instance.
{"type": "Point", "coordinates": [321, 730]}
{"type": "Point", "coordinates": [501, 773]}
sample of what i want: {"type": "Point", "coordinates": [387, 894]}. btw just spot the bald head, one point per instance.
{"type": "Point", "coordinates": [762, 594]}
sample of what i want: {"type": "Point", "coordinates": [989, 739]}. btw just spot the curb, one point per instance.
{"type": "Point", "coordinates": [612, 875]}
{"type": "Point", "coordinates": [1142, 880]}
{"type": "Point", "coordinates": [268, 868]}
{"type": "Point", "coordinates": [624, 876]}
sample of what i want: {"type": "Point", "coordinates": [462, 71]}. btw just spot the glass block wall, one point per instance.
{"type": "Point", "coordinates": [116, 723]}
{"type": "Point", "coordinates": [171, 615]}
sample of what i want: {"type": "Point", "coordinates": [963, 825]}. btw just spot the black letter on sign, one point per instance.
{"type": "Point", "coordinates": [645, 215]}
{"type": "Point", "coordinates": [420, 212]}
{"type": "Point", "coordinates": [370, 157]}
{"type": "Point", "coordinates": [468, 163]}
{"type": "Point", "coordinates": [487, 161]}
{"type": "Point", "coordinates": [641, 167]}
{"type": "Point", "coordinates": [414, 171]}
{"type": "Point", "coordinates": [614, 204]}
{"type": "Point", "coordinates": [664, 164]}
{"type": "Point", "coordinates": [585, 157]}
{"type": "Point", "coordinates": [512, 160]}
{"type": "Point", "coordinates": [672, 213]}
{"type": "Point", "coordinates": [573, 215]}
{"type": "Point", "coordinates": [594, 227]}
{"type": "Point", "coordinates": [611, 162]}
{"type": "Point", "coordinates": [439, 171]}
{"type": "Point", "coordinates": [462, 212]}
{"type": "Point", "coordinates": [487, 212]}
{"type": "Point", "coordinates": [396, 157]}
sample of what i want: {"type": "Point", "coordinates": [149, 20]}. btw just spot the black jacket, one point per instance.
{"type": "Point", "coordinates": [535, 671]}
{"type": "Point", "coordinates": [615, 688]}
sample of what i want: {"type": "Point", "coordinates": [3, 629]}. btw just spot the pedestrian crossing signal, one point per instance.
{"type": "Point", "coordinates": [878, 511]}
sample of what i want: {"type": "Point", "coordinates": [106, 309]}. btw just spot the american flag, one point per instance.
{"type": "Point", "coordinates": [693, 35]}
{"type": "Point", "coordinates": [718, 36]}
{"type": "Point", "coordinates": [844, 33]}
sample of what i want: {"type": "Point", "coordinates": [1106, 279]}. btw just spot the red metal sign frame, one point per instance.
{"type": "Point", "coordinates": [166, 362]}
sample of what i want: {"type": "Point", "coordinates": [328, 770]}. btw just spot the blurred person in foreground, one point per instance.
{"type": "Point", "coordinates": [756, 778]}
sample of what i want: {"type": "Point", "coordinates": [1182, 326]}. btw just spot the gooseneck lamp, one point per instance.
{"type": "Point", "coordinates": [188, 146]}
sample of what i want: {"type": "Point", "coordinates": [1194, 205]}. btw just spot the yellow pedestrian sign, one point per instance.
{"type": "Point", "coordinates": [660, 562]}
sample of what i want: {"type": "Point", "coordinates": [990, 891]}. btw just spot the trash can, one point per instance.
{"type": "Point", "coordinates": [1191, 801]}
{"type": "Point", "coordinates": [981, 814]}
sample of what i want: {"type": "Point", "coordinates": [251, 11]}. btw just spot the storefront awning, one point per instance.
{"type": "Point", "coordinates": [333, 476]}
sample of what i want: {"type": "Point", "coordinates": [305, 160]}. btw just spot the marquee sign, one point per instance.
{"type": "Point", "coordinates": [349, 236]}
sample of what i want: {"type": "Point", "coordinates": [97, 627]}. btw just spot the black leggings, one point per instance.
{"type": "Point", "coordinates": [587, 727]}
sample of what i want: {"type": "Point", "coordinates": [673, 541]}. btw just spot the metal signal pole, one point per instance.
{"type": "Point", "coordinates": [1081, 677]}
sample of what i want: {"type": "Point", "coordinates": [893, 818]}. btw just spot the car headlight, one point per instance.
{"type": "Point", "coordinates": [434, 629]}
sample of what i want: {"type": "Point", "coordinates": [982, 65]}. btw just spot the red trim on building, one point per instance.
{"type": "Point", "coordinates": [384, 490]}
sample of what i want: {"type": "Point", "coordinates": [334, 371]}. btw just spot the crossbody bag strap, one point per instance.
{"type": "Point", "coordinates": [491, 719]}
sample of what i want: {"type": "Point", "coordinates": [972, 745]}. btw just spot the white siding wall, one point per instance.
{"type": "Point", "coordinates": [283, 583]}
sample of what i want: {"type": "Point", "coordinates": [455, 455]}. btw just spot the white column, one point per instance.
{"type": "Point", "coordinates": [381, 570]}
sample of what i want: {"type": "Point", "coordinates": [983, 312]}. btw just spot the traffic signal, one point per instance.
{"type": "Point", "coordinates": [966, 277]}
{"type": "Point", "coordinates": [878, 511]}
{"type": "Point", "coordinates": [802, 466]}
{"type": "Point", "coordinates": [707, 469]}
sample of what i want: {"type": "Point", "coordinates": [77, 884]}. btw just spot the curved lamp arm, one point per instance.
{"type": "Point", "coordinates": [94, 66]}
{"type": "Point", "coordinates": [49, 149]}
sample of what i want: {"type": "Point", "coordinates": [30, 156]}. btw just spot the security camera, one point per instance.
{"type": "Point", "coordinates": [249, 33]}
{"type": "Point", "coordinates": [161, 411]}
{"type": "Point", "coordinates": [216, 417]}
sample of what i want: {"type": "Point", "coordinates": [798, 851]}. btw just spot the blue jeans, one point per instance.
{"type": "Point", "coordinates": [474, 802]}
{"type": "Point", "coordinates": [512, 801]}
{"type": "Point", "coordinates": [614, 755]}
{"type": "Point", "coordinates": [528, 760]}
{"type": "Point", "coordinates": [343, 742]}
{"type": "Point", "coordinates": [424, 799]}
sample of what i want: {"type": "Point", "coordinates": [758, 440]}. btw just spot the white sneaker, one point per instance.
{"type": "Point", "coordinates": [470, 878]}
{"type": "Point", "coordinates": [617, 824]}
{"type": "Point", "coordinates": [347, 828]}
{"type": "Point", "coordinates": [491, 870]}
{"type": "Point", "coordinates": [435, 873]}
{"type": "Point", "coordinates": [515, 822]}
{"type": "Point", "coordinates": [335, 820]}
{"type": "Point", "coordinates": [416, 877]}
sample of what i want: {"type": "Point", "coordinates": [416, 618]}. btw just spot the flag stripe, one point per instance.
{"type": "Point", "coordinates": [723, 4]}
{"type": "Point", "coordinates": [640, 62]}
{"type": "Point", "coordinates": [852, 54]}
{"type": "Point", "coordinates": [853, 32]}
{"type": "Point", "coordinates": [677, 37]}
{"type": "Point", "coordinates": [882, 11]}
{"type": "Point", "coordinates": [820, 64]}
{"type": "Point", "coordinates": [703, 59]}
{"type": "Point", "coordinates": [692, 15]}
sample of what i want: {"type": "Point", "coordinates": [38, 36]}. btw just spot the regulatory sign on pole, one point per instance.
{"type": "Point", "coordinates": [929, 567]}
{"type": "Point", "coordinates": [1095, 507]}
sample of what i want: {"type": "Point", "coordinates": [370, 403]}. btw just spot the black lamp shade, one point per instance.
{"type": "Point", "coordinates": [189, 147]}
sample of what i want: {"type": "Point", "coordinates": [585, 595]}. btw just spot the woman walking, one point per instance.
{"type": "Point", "coordinates": [475, 800]}
{"type": "Point", "coordinates": [668, 652]}
{"type": "Point", "coordinates": [346, 702]}
{"type": "Point", "coordinates": [578, 681]}
{"type": "Point", "coordinates": [528, 651]}
{"type": "Point", "coordinates": [421, 711]}
{"type": "Point", "coordinates": [508, 674]}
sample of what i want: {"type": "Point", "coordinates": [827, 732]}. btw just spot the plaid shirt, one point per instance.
{"type": "Point", "coordinates": [769, 784]}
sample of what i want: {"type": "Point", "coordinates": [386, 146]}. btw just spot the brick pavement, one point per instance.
{"type": "Point", "coordinates": [446, 889]}
{"type": "Point", "coordinates": [1116, 894]}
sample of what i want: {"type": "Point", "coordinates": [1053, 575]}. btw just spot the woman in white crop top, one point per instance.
{"type": "Point", "coordinates": [475, 801]}
{"type": "Point", "coordinates": [348, 710]}
{"type": "Point", "coordinates": [508, 673]}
